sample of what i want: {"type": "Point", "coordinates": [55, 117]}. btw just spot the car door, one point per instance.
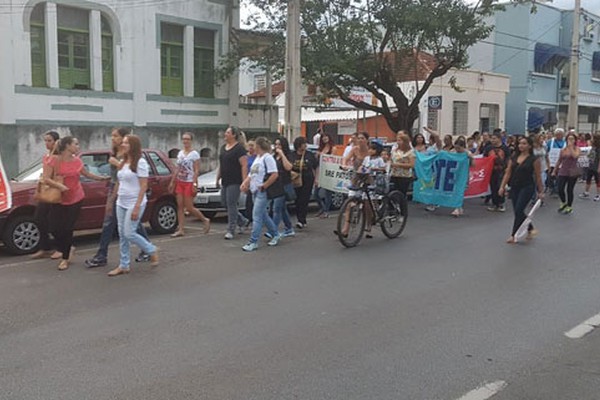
{"type": "Point", "coordinates": [159, 179]}
{"type": "Point", "coordinates": [96, 192]}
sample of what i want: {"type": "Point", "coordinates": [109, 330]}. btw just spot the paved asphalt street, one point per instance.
{"type": "Point", "coordinates": [448, 311]}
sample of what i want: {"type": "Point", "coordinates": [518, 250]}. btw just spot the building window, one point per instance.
{"type": "Point", "coordinates": [73, 48]}
{"type": "Point", "coordinates": [38, 46]}
{"type": "Point", "coordinates": [204, 63]}
{"type": "Point", "coordinates": [489, 117]}
{"type": "Point", "coordinates": [596, 65]}
{"type": "Point", "coordinates": [171, 59]}
{"type": "Point", "coordinates": [108, 79]}
{"type": "Point", "coordinates": [460, 117]}
{"type": "Point", "coordinates": [549, 58]}
{"type": "Point", "coordinates": [260, 82]}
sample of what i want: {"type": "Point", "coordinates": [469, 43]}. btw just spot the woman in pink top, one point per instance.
{"type": "Point", "coordinates": [42, 210]}
{"type": "Point", "coordinates": [64, 215]}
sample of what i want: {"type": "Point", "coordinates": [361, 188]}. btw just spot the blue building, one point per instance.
{"type": "Point", "coordinates": [534, 50]}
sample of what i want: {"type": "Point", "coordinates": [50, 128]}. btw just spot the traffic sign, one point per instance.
{"type": "Point", "coordinates": [434, 102]}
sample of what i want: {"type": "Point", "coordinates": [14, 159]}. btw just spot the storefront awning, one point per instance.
{"type": "Point", "coordinates": [547, 53]}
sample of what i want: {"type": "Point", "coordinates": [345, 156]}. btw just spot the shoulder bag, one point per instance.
{"type": "Point", "coordinates": [45, 193]}
{"type": "Point", "coordinates": [297, 176]}
{"type": "Point", "coordinates": [275, 190]}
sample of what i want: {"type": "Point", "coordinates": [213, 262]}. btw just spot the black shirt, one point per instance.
{"type": "Point", "coordinates": [284, 175]}
{"type": "Point", "coordinates": [308, 165]}
{"type": "Point", "coordinates": [229, 162]}
{"type": "Point", "coordinates": [501, 154]}
{"type": "Point", "coordinates": [523, 174]}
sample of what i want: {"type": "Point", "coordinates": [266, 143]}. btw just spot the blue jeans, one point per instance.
{"type": "Point", "coordinates": [280, 213]}
{"type": "Point", "coordinates": [128, 234]}
{"type": "Point", "coordinates": [108, 229]}
{"type": "Point", "coordinates": [260, 217]}
{"type": "Point", "coordinates": [230, 195]}
{"type": "Point", "coordinates": [323, 197]}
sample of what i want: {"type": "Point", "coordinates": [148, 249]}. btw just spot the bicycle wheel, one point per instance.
{"type": "Point", "coordinates": [351, 218]}
{"type": "Point", "coordinates": [395, 214]}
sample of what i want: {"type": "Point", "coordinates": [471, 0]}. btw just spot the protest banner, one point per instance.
{"type": "Point", "coordinates": [331, 176]}
{"type": "Point", "coordinates": [5, 193]}
{"type": "Point", "coordinates": [480, 173]}
{"type": "Point", "coordinates": [443, 178]}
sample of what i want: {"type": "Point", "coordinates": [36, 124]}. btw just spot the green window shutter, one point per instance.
{"type": "Point", "coordinates": [73, 48]}
{"type": "Point", "coordinates": [204, 62]}
{"type": "Point", "coordinates": [172, 69]}
{"type": "Point", "coordinates": [38, 55]}
{"type": "Point", "coordinates": [108, 80]}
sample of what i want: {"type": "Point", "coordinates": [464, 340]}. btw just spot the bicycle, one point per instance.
{"type": "Point", "coordinates": [387, 208]}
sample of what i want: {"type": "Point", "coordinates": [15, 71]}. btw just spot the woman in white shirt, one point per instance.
{"type": "Point", "coordinates": [131, 203]}
{"type": "Point", "coordinates": [263, 165]}
{"type": "Point", "coordinates": [184, 184]}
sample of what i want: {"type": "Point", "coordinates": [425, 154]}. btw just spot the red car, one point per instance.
{"type": "Point", "coordinates": [19, 231]}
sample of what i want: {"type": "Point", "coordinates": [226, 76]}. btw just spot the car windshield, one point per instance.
{"type": "Point", "coordinates": [31, 173]}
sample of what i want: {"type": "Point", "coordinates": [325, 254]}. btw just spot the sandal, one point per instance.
{"type": "Point", "coordinates": [177, 234]}
{"type": "Point", "coordinates": [207, 225]}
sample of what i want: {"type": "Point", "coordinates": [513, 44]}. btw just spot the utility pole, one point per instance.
{"type": "Point", "coordinates": [293, 95]}
{"type": "Point", "coordinates": [573, 115]}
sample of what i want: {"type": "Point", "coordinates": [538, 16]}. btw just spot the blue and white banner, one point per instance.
{"type": "Point", "coordinates": [442, 178]}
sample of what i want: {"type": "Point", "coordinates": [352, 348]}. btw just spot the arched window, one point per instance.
{"type": "Point", "coordinates": [38, 46]}
{"type": "Point", "coordinates": [73, 47]}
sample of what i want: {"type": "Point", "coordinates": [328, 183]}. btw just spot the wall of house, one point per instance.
{"type": "Point", "coordinates": [26, 112]}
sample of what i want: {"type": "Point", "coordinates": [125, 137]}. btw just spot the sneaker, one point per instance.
{"type": "Point", "coordinates": [95, 262]}
{"type": "Point", "coordinates": [502, 209]}
{"type": "Point", "coordinates": [300, 225]}
{"type": "Point", "coordinates": [268, 235]}
{"type": "Point", "coordinates": [289, 233]}
{"type": "Point", "coordinates": [597, 197]}
{"type": "Point", "coordinates": [430, 208]}
{"type": "Point", "coordinates": [228, 236]}
{"type": "Point", "coordinates": [250, 246]}
{"type": "Point", "coordinates": [455, 213]}
{"type": "Point", "coordinates": [275, 240]}
{"type": "Point", "coordinates": [142, 257]}
{"type": "Point", "coordinates": [492, 209]}
{"type": "Point", "coordinates": [584, 195]}
{"type": "Point", "coordinates": [324, 215]}
{"type": "Point", "coordinates": [568, 210]}
{"type": "Point", "coordinates": [562, 207]}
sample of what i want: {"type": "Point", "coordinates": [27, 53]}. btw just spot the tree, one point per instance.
{"type": "Point", "coordinates": [372, 44]}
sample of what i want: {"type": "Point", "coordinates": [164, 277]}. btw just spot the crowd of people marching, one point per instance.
{"type": "Point", "coordinates": [273, 174]}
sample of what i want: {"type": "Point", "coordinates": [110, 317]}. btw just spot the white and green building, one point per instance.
{"type": "Point", "coordinates": [82, 67]}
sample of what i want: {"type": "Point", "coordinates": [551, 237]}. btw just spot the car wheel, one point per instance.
{"type": "Point", "coordinates": [164, 217]}
{"type": "Point", "coordinates": [21, 235]}
{"type": "Point", "coordinates": [337, 199]}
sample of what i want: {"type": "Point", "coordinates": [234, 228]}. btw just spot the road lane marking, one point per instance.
{"type": "Point", "coordinates": [584, 328]}
{"type": "Point", "coordinates": [486, 391]}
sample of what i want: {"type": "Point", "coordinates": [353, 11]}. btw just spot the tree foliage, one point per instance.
{"type": "Point", "coordinates": [371, 44]}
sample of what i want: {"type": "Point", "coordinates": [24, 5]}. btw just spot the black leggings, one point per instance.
{"type": "Point", "coordinates": [42, 219]}
{"type": "Point", "coordinates": [402, 184]}
{"type": "Point", "coordinates": [303, 194]}
{"type": "Point", "coordinates": [521, 196]}
{"type": "Point", "coordinates": [569, 182]}
{"type": "Point", "coordinates": [62, 220]}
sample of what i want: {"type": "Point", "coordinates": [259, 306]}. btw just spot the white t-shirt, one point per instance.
{"type": "Point", "coordinates": [347, 150]}
{"type": "Point", "coordinates": [129, 184]}
{"type": "Point", "coordinates": [317, 139]}
{"type": "Point", "coordinates": [185, 163]}
{"type": "Point", "coordinates": [375, 162]}
{"type": "Point", "coordinates": [257, 171]}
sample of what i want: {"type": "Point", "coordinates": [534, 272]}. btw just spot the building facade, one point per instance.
{"type": "Point", "coordinates": [82, 67]}
{"type": "Point", "coordinates": [534, 50]}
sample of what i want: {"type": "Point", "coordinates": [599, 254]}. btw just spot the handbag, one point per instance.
{"type": "Point", "coordinates": [275, 190]}
{"type": "Point", "coordinates": [45, 193]}
{"type": "Point", "coordinates": [297, 176]}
